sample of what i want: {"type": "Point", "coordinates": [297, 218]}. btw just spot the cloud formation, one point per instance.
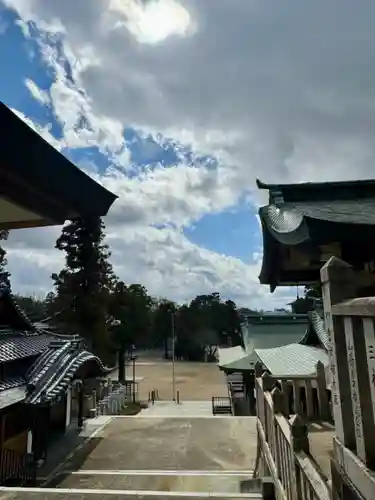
{"type": "Point", "coordinates": [279, 90]}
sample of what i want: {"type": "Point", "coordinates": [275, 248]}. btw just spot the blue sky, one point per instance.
{"type": "Point", "coordinates": [180, 116]}
{"type": "Point", "coordinates": [228, 231]}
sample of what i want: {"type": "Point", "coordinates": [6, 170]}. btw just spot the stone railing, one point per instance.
{"type": "Point", "coordinates": [283, 446]}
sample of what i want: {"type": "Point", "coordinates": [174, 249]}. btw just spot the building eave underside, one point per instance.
{"type": "Point", "coordinates": [51, 185]}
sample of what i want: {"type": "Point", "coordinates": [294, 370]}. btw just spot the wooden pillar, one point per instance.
{"type": "Point", "coordinates": [251, 390]}
{"type": "Point", "coordinates": [337, 285]}
{"type": "Point", "coordinates": [80, 405]}
{"type": "Point", "coordinates": [357, 330]}
{"type": "Point", "coordinates": [68, 407]}
{"type": "Point", "coordinates": [321, 383]}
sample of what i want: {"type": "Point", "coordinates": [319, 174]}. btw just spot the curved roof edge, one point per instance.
{"type": "Point", "coordinates": [316, 325]}
{"type": "Point", "coordinates": [286, 226]}
{"type": "Point", "coordinates": [55, 369]}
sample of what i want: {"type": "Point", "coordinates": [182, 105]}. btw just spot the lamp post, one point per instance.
{"type": "Point", "coordinates": [173, 358]}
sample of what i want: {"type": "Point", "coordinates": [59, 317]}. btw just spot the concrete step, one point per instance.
{"type": "Point", "coordinates": [172, 409]}
{"type": "Point", "coordinates": [51, 494]}
{"type": "Point", "coordinates": [164, 481]}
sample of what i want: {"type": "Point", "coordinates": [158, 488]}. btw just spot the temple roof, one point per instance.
{"type": "Point", "coordinates": [273, 330]}
{"type": "Point", "coordinates": [292, 359]}
{"type": "Point", "coordinates": [39, 186]}
{"type": "Point", "coordinates": [308, 216]}
{"type": "Point", "coordinates": [270, 340]}
{"type": "Point", "coordinates": [50, 361]}
{"type": "Point", "coordinates": [56, 368]}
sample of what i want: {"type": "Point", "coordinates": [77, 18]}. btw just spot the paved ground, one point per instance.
{"type": "Point", "coordinates": [112, 496]}
{"type": "Point", "coordinates": [134, 443]}
{"type": "Point", "coordinates": [183, 409]}
{"type": "Point", "coordinates": [169, 448]}
{"type": "Point", "coordinates": [194, 381]}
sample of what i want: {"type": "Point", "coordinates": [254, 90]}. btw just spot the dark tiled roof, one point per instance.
{"type": "Point", "coordinates": [12, 396]}
{"type": "Point", "coordinates": [312, 191]}
{"type": "Point", "coordinates": [22, 346]}
{"type": "Point", "coordinates": [56, 368]}
{"type": "Point", "coordinates": [10, 383]}
{"type": "Point", "coordinates": [287, 222]}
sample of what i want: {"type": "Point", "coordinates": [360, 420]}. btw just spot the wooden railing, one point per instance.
{"type": "Point", "coordinates": [221, 405]}
{"type": "Point", "coordinates": [17, 469]}
{"type": "Point", "coordinates": [304, 395]}
{"type": "Point", "coordinates": [284, 446]}
{"type": "Point", "coordinates": [350, 324]}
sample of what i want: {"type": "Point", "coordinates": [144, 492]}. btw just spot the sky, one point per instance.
{"type": "Point", "coordinates": [178, 106]}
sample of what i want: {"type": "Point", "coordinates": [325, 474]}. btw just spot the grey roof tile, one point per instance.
{"type": "Point", "coordinates": [16, 347]}
{"type": "Point", "coordinates": [243, 364]}
{"type": "Point", "coordinates": [293, 359]}
{"type": "Point", "coordinates": [10, 383]}
{"type": "Point", "coordinates": [52, 373]}
{"type": "Point", "coordinates": [11, 396]}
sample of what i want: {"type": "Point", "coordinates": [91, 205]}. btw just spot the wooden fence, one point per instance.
{"type": "Point", "coordinates": [17, 469]}
{"type": "Point", "coordinates": [304, 395]}
{"type": "Point", "coordinates": [283, 440]}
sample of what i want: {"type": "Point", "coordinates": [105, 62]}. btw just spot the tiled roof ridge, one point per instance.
{"type": "Point", "coordinates": [55, 369]}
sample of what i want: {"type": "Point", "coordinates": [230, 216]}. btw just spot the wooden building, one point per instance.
{"type": "Point", "coordinates": [322, 233]}
{"type": "Point", "coordinates": [41, 373]}
{"type": "Point", "coordinates": [283, 344]}
{"type": "Point", "coordinates": [306, 224]}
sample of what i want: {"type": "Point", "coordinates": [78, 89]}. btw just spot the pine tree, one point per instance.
{"type": "Point", "coordinates": [4, 274]}
{"type": "Point", "coordinates": [83, 286]}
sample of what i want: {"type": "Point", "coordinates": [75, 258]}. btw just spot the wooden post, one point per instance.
{"type": "Point", "coordinates": [80, 405]}
{"type": "Point", "coordinates": [309, 400]}
{"type": "Point", "coordinates": [360, 386]}
{"type": "Point", "coordinates": [258, 369]}
{"type": "Point", "coordinates": [286, 398]}
{"type": "Point", "coordinates": [321, 383]}
{"type": "Point", "coordinates": [337, 285]}
{"type": "Point", "coordinates": [277, 399]}
{"type": "Point", "coordinates": [268, 381]}
{"type": "Point", "coordinates": [299, 442]}
{"type": "Point", "coordinates": [296, 397]}
{"type": "Point", "coordinates": [299, 434]}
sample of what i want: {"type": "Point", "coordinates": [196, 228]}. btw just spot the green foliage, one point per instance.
{"type": "Point", "coordinates": [3, 256]}
{"type": "Point", "coordinates": [129, 309]}
{"type": "Point", "coordinates": [34, 308]}
{"type": "Point", "coordinates": [83, 286]}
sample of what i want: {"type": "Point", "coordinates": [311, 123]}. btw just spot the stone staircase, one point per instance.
{"type": "Point", "coordinates": [170, 484]}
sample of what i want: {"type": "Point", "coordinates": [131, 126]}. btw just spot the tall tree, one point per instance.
{"type": "Point", "coordinates": [83, 286]}
{"type": "Point", "coordinates": [130, 313]}
{"type": "Point", "coordinates": [162, 323]}
{"type": "Point", "coordinates": [3, 257]}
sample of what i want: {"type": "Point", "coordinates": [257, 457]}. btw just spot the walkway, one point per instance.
{"type": "Point", "coordinates": [190, 455]}
{"type": "Point", "coordinates": [183, 409]}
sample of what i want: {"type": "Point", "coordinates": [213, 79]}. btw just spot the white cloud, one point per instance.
{"type": "Point", "coordinates": [162, 259]}
{"type": "Point", "coordinates": [149, 21]}
{"type": "Point", "coordinates": [42, 97]}
{"type": "Point", "coordinates": [279, 90]}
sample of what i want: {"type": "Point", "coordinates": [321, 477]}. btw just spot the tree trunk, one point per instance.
{"type": "Point", "coordinates": [166, 356]}
{"type": "Point", "coordinates": [121, 366]}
